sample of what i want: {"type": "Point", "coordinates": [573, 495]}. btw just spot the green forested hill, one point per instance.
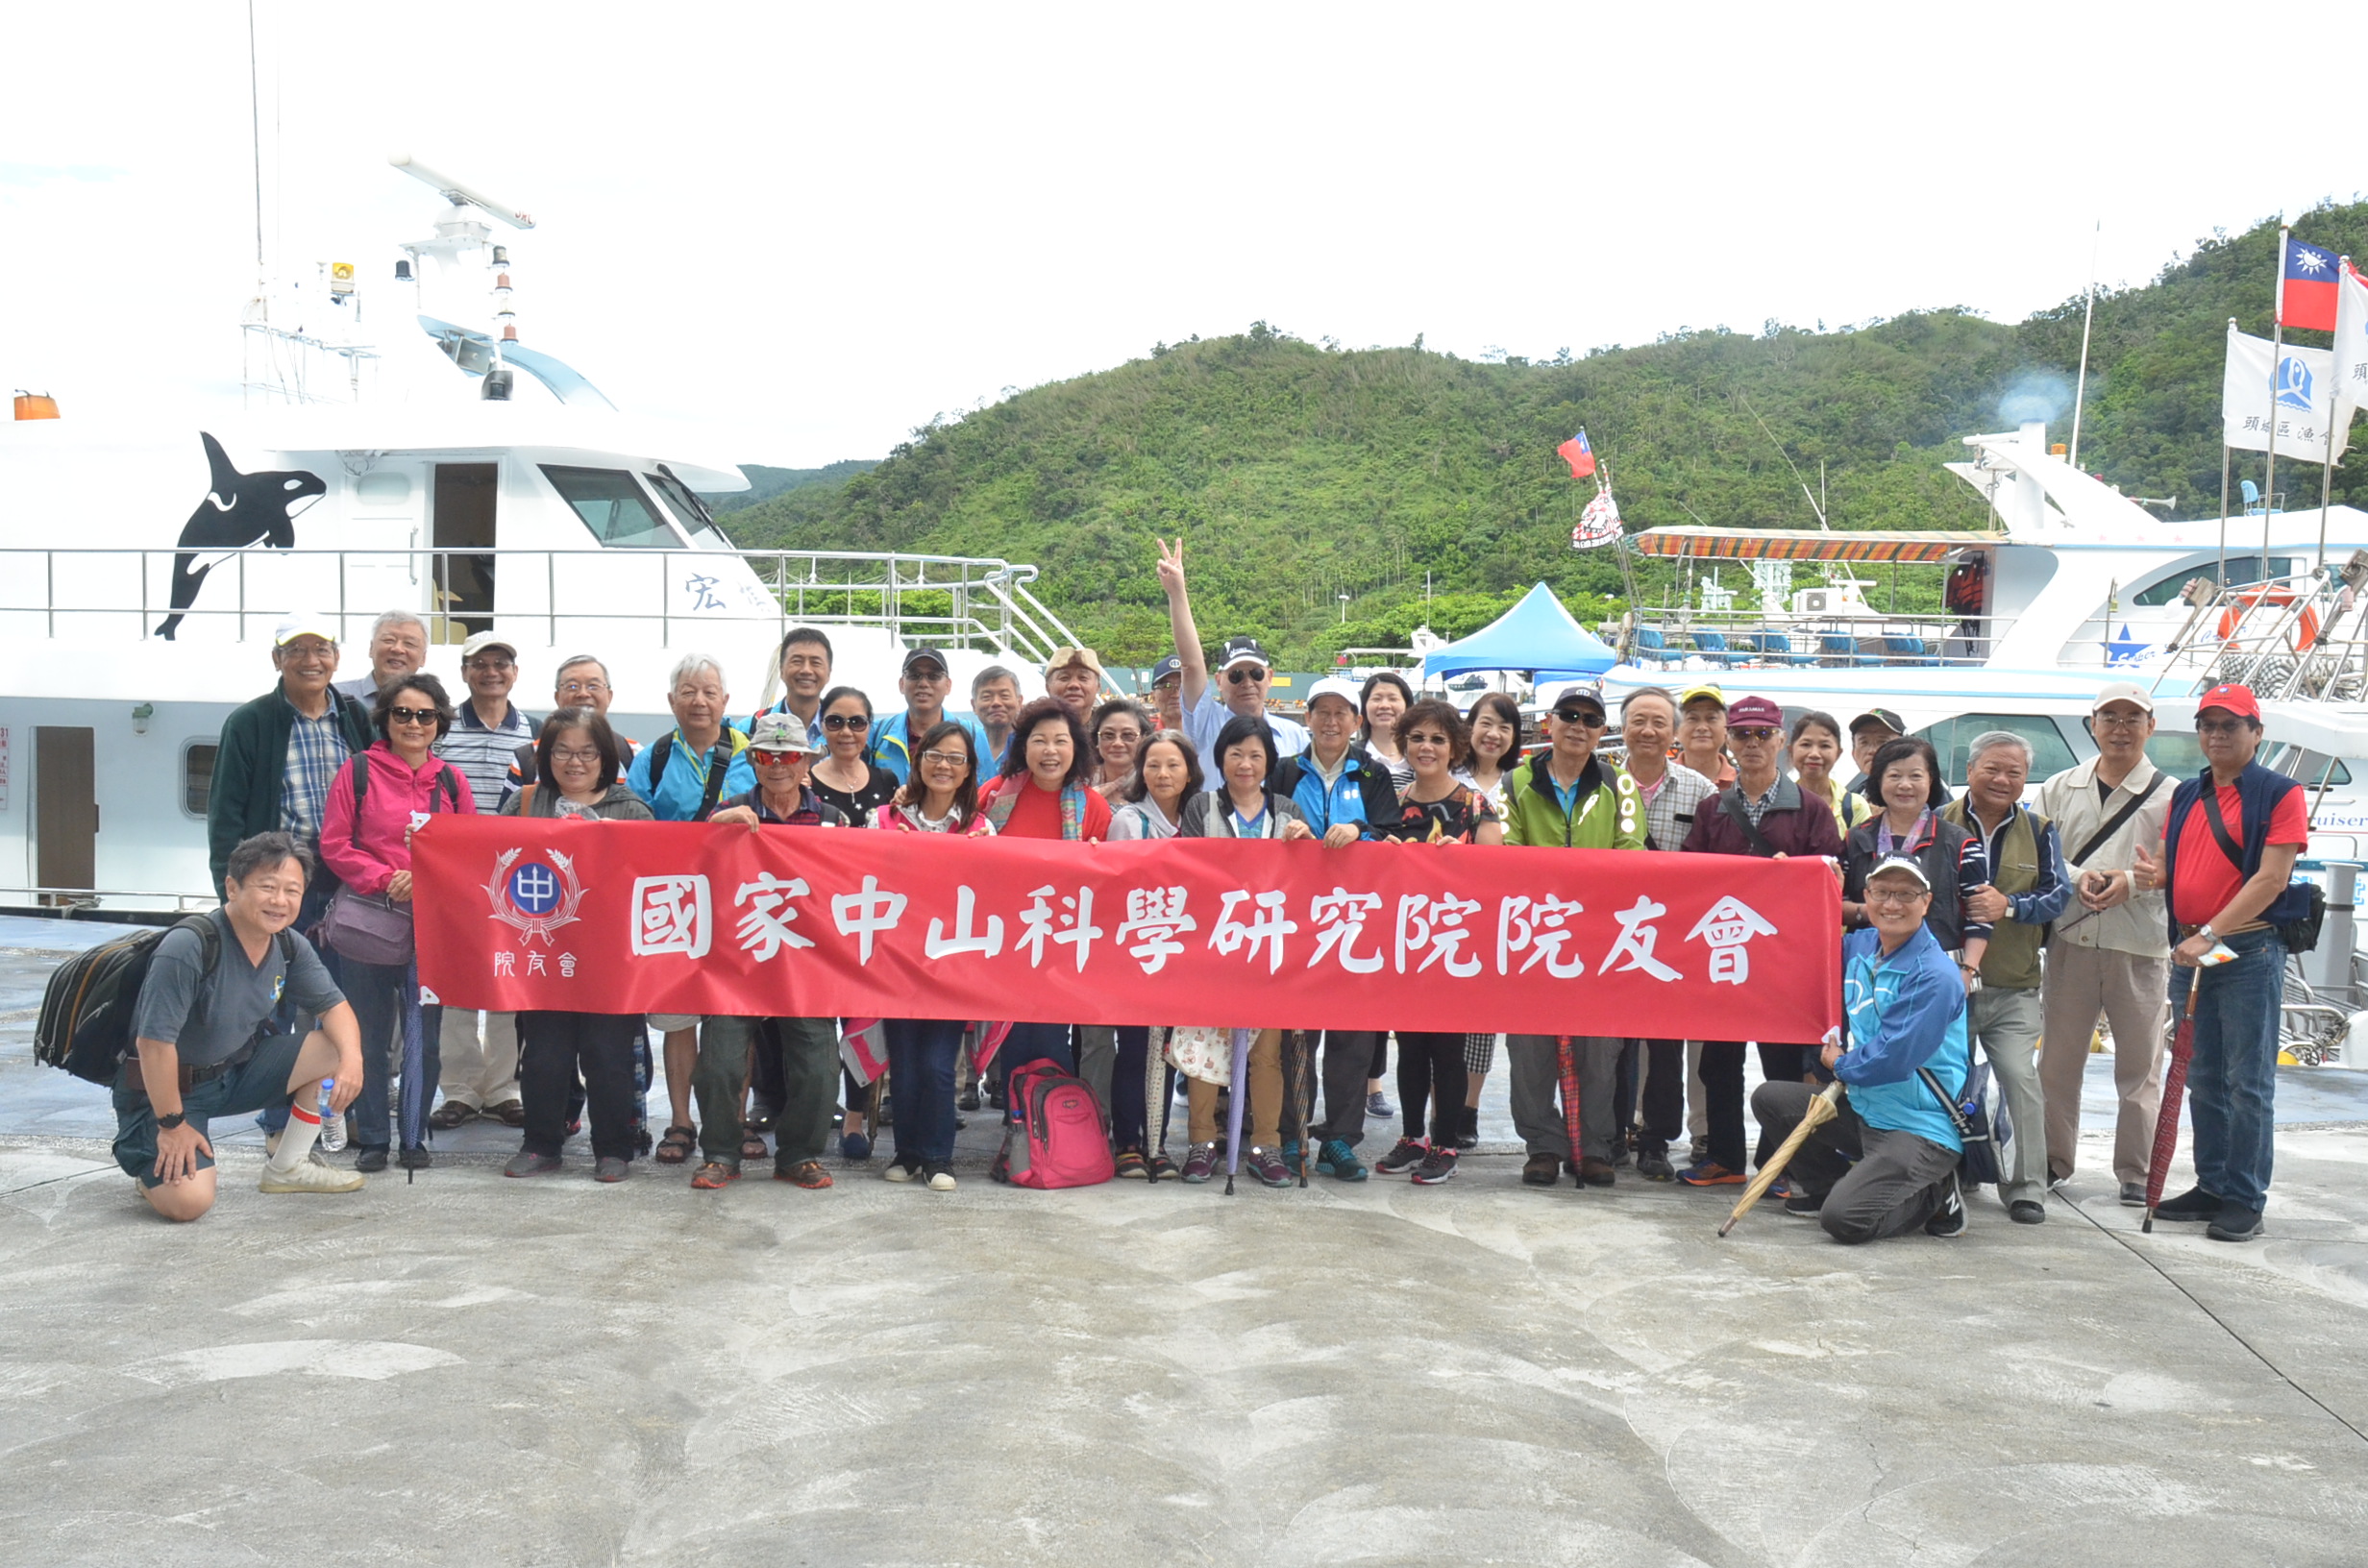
{"type": "Point", "coordinates": [1297, 472]}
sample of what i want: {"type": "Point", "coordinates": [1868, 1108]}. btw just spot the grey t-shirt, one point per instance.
{"type": "Point", "coordinates": [238, 995]}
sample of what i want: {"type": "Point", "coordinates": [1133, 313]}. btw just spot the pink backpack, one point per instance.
{"type": "Point", "coordinates": [1058, 1135]}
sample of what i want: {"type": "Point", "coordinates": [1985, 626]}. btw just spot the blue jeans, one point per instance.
{"type": "Point", "coordinates": [1128, 1096]}
{"type": "Point", "coordinates": [921, 1053]}
{"type": "Point", "coordinates": [376, 991]}
{"type": "Point", "coordinates": [2232, 1078]}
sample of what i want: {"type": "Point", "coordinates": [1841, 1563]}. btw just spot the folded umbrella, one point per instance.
{"type": "Point", "coordinates": [2166, 1120]}
{"type": "Point", "coordinates": [1821, 1110]}
{"type": "Point", "coordinates": [411, 1109]}
{"type": "Point", "coordinates": [1233, 1108]}
{"type": "Point", "coordinates": [1567, 1057]}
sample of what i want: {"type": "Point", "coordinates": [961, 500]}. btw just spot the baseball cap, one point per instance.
{"type": "Point", "coordinates": [304, 624]}
{"type": "Point", "coordinates": [1883, 717]}
{"type": "Point", "coordinates": [922, 650]}
{"type": "Point", "coordinates": [1243, 650]}
{"type": "Point", "coordinates": [1901, 863]}
{"type": "Point", "coordinates": [1698, 693]}
{"type": "Point", "coordinates": [1062, 657]}
{"type": "Point", "coordinates": [1333, 686]}
{"type": "Point", "coordinates": [1753, 713]}
{"type": "Point", "coordinates": [780, 732]}
{"type": "Point", "coordinates": [2124, 691]}
{"type": "Point", "coordinates": [2233, 699]}
{"type": "Point", "coordinates": [484, 640]}
{"type": "Point", "coordinates": [1166, 667]}
{"type": "Point", "coordinates": [1587, 695]}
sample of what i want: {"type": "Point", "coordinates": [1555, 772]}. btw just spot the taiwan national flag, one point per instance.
{"type": "Point", "coordinates": [1582, 458]}
{"type": "Point", "coordinates": [2306, 287]}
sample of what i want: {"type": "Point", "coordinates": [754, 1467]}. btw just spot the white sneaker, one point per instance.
{"type": "Point", "coordinates": [313, 1156]}
{"type": "Point", "coordinates": [898, 1171]}
{"type": "Point", "coordinates": [308, 1177]}
{"type": "Point", "coordinates": [940, 1181]}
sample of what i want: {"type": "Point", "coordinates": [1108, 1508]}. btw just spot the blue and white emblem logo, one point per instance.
{"type": "Point", "coordinates": [537, 895]}
{"type": "Point", "coordinates": [2293, 383]}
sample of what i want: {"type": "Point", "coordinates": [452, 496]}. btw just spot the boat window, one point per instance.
{"type": "Point", "coordinates": [2309, 766]}
{"type": "Point", "coordinates": [614, 507]}
{"type": "Point", "coordinates": [197, 777]}
{"type": "Point", "coordinates": [690, 512]}
{"type": "Point", "coordinates": [1953, 739]}
{"type": "Point", "coordinates": [2178, 754]}
{"type": "Point", "coordinates": [2242, 570]}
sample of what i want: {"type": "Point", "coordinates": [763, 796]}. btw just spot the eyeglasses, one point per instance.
{"type": "Point", "coordinates": [927, 671]}
{"type": "Point", "coordinates": [945, 759]}
{"type": "Point", "coordinates": [856, 722]}
{"type": "Point", "coordinates": [490, 665]}
{"type": "Point", "coordinates": [1896, 896]}
{"type": "Point", "coordinates": [2118, 721]}
{"type": "Point", "coordinates": [2218, 729]}
{"type": "Point", "coordinates": [773, 759]}
{"type": "Point", "coordinates": [588, 756]}
{"type": "Point", "coordinates": [1756, 733]}
{"type": "Point", "coordinates": [1242, 673]}
{"type": "Point", "coordinates": [581, 688]}
{"type": "Point", "coordinates": [1579, 715]}
{"type": "Point", "coordinates": [411, 716]}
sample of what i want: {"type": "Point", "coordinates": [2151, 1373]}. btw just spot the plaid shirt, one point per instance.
{"type": "Point", "coordinates": [315, 751]}
{"type": "Point", "coordinates": [1671, 805]}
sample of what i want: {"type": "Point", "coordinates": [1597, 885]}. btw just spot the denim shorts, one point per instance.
{"type": "Point", "coordinates": [259, 1083]}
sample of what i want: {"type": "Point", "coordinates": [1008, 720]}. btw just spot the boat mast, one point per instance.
{"type": "Point", "coordinates": [2089, 314]}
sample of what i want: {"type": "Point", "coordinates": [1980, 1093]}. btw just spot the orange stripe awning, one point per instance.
{"type": "Point", "coordinates": [1801, 545]}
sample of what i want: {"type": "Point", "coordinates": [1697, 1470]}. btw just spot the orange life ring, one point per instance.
{"type": "Point", "coordinates": [2299, 637]}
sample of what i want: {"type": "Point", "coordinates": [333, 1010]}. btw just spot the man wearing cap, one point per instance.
{"type": "Point", "coordinates": [2026, 889]}
{"type": "Point", "coordinates": [2226, 870]}
{"type": "Point", "coordinates": [924, 681]}
{"type": "Point", "coordinates": [995, 702]}
{"type": "Point", "coordinates": [1243, 672]}
{"type": "Point", "coordinates": [1868, 733]}
{"type": "Point", "coordinates": [1762, 812]}
{"type": "Point", "coordinates": [1673, 796]}
{"type": "Point", "coordinates": [1888, 1163]}
{"type": "Point", "coordinates": [398, 648]}
{"type": "Point", "coordinates": [1073, 678]}
{"type": "Point", "coordinates": [1339, 788]}
{"type": "Point", "coordinates": [2112, 954]}
{"type": "Point", "coordinates": [1568, 798]}
{"type": "Point", "coordinates": [1168, 692]}
{"type": "Point", "coordinates": [1702, 733]}
{"type": "Point", "coordinates": [276, 754]}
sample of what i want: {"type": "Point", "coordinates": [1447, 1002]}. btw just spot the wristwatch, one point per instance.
{"type": "Point", "coordinates": [165, 1124]}
{"type": "Point", "coordinates": [2206, 932]}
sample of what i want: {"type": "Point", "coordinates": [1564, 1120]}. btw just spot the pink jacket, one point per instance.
{"type": "Point", "coordinates": [394, 794]}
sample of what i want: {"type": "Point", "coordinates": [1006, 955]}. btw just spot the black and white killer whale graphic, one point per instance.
{"type": "Point", "coordinates": [240, 509]}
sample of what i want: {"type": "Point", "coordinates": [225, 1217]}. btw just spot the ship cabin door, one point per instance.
{"type": "Point", "coordinates": [463, 520]}
{"type": "Point", "coordinates": [65, 810]}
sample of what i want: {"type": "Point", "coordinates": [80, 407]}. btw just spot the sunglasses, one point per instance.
{"type": "Point", "coordinates": [1756, 733]}
{"type": "Point", "coordinates": [1240, 674]}
{"type": "Point", "coordinates": [773, 759]}
{"type": "Point", "coordinates": [411, 716]}
{"type": "Point", "coordinates": [846, 721]}
{"type": "Point", "coordinates": [1579, 715]}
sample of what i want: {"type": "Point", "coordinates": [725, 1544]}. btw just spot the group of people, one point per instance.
{"type": "Point", "coordinates": [1977, 925]}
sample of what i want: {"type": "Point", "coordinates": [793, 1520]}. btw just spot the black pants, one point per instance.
{"type": "Point", "coordinates": [1128, 1107]}
{"type": "Point", "coordinates": [1381, 1055]}
{"type": "Point", "coordinates": [1665, 1094]}
{"type": "Point", "coordinates": [1347, 1063]}
{"type": "Point", "coordinates": [1778, 1064]}
{"type": "Point", "coordinates": [1722, 1094]}
{"type": "Point", "coordinates": [1431, 1068]}
{"type": "Point", "coordinates": [552, 1048]}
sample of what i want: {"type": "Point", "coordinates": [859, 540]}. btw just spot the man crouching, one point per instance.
{"type": "Point", "coordinates": [203, 1051]}
{"type": "Point", "coordinates": [1905, 1003]}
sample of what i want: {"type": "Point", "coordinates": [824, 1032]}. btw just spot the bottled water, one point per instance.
{"type": "Point", "coordinates": [333, 1125]}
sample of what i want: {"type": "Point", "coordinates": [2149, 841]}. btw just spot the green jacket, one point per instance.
{"type": "Point", "coordinates": [1606, 811]}
{"type": "Point", "coordinates": [249, 762]}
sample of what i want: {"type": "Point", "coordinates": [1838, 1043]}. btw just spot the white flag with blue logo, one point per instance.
{"type": "Point", "coordinates": [2351, 344]}
{"type": "Point", "coordinates": [2305, 403]}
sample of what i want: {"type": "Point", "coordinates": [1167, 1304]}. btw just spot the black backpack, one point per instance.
{"type": "Point", "coordinates": [719, 764]}
{"type": "Point", "coordinates": [87, 1008]}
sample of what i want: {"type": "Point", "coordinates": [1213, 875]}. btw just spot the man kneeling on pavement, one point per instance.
{"type": "Point", "coordinates": [203, 1051]}
{"type": "Point", "coordinates": [1904, 1006]}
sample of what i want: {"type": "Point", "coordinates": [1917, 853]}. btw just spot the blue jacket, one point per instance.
{"type": "Point", "coordinates": [1904, 1012]}
{"type": "Point", "coordinates": [888, 749]}
{"type": "Point", "coordinates": [1362, 793]}
{"type": "Point", "coordinates": [2257, 793]}
{"type": "Point", "coordinates": [676, 797]}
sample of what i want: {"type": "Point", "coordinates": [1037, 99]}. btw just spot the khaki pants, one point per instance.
{"type": "Point", "coordinates": [479, 1074]}
{"type": "Point", "coordinates": [2132, 994]}
{"type": "Point", "coordinates": [2006, 1025]}
{"type": "Point", "coordinates": [1263, 1119]}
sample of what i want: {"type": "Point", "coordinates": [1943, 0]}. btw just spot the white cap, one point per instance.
{"type": "Point", "coordinates": [304, 624]}
{"type": "Point", "coordinates": [1901, 863]}
{"type": "Point", "coordinates": [2124, 691]}
{"type": "Point", "coordinates": [1333, 686]}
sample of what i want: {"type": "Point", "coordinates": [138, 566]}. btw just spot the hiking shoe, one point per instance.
{"type": "Point", "coordinates": [714, 1176]}
{"type": "Point", "coordinates": [1265, 1165]}
{"type": "Point", "coordinates": [1337, 1159]}
{"type": "Point", "coordinates": [1803, 1202]}
{"type": "Point", "coordinates": [611, 1167]}
{"type": "Point", "coordinates": [1541, 1170]}
{"type": "Point", "coordinates": [1438, 1165]}
{"type": "Point", "coordinates": [968, 1099]}
{"type": "Point", "coordinates": [1290, 1155]}
{"type": "Point", "coordinates": [1780, 1190]}
{"type": "Point", "coordinates": [1160, 1168]}
{"type": "Point", "coordinates": [941, 1180]}
{"type": "Point", "coordinates": [1130, 1163]}
{"type": "Point", "coordinates": [525, 1163]}
{"type": "Point", "coordinates": [1403, 1157]}
{"type": "Point", "coordinates": [1949, 1219]}
{"type": "Point", "coordinates": [2194, 1206]}
{"type": "Point", "coordinates": [1594, 1172]}
{"type": "Point", "coordinates": [855, 1147]}
{"type": "Point", "coordinates": [1377, 1104]}
{"type": "Point", "coordinates": [806, 1173]}
{"type": "Point", "coordinates": [509, 1113]}
{"type": "Point", "coordinates": [2235, 1223]}
{"type": "Point", "coordinates": [370, 1161]}
{"type": "Point", "coordinates": [1710, 1173]}
{"type": "Point", "coordinates": [902, 1169]}
{"type": "Point", "coordinates": [308, 1177]}
{"type": "Point", "coordinates": [1200, 1163]}
{"type": "Point", "coordinates": [2134, 1195]}
{"type": "Point", "coordinates": [1468, 1131]}
{"type": "Point", "coordinates": [2026, 1211]}
{"type": "Point", "coordinates": [1653, 1164]}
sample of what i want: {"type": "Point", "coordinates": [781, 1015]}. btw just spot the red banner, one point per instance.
{"type": "Point", "coordinates": [810, 922]}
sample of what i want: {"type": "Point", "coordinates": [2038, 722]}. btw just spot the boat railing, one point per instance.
{"type": "Point", "coordinates": [979, 602]}
{"type": "Point", "coordinates": [2300, 638]}
{"type": "Point", "coordinates": [1739, 639]}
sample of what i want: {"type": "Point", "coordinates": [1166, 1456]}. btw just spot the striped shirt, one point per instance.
{"type": "Point", "coordinates": [1670, 804]}
{"type": "Point", "coordinates": [315, 750]}
{"type": "Point", "coordinates": [483, 754]}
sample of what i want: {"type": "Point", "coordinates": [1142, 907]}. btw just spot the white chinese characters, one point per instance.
{"type": "Point", "coordinates": [672, 915]}
{"type": "Point", "coordinates": [1728, 928]}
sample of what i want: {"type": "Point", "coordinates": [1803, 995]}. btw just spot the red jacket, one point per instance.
{"type": "Point", "coordinates": [368, 861]}
{"type": "Point", "coordinates": [1794, 824]}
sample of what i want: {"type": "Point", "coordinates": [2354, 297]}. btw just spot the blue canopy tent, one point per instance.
{"type": "Point", "coordinates": [1537, 635]}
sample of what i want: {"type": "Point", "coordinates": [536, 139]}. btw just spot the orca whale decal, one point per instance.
{"type": "Point", "coordinates": [240, 509]}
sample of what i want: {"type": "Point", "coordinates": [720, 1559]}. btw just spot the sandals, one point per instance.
{"type": "Point", "coordinates": [678, 1145]}
{"type": "Point", "coordinates": [753, 1147]}
{"type": "Point", "coordinates": [714, 1174]}
{"type": "Point", "coordinates": [451, 1113]}
{"type": "Point", "coordinates": [509, 1113]}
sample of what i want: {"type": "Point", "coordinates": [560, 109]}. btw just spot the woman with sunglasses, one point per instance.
{"type": "Point", "coordinates": [942, 798]}
{"type": "Point", "coordinates": [1118, 727]}
{"type": "Point", "coordinates": [845, 775]}
{"type": "Point", "coordinates": [577, 776]}
{"type": "Point", "coordinates": [1166, 775]}
{"type": "Point", "coordinates": [366, 826]}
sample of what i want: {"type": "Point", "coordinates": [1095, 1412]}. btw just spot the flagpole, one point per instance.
{"type": "Point", "coordinates": [2277, 348]}
{"type": "Point", "coordinates": [2220, 572]}
{"type": "Point", "coordinates": [2335, 405]}
{"type": "Point", "coordinates": [2089, 314]}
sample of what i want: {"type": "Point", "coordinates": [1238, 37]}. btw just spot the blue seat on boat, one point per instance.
{"type": "Point", "coordinates": [1836, 651]}
{"type": "Point", "coordinates": [1907, 651]}
{"type": "Point", "coordinates": [1650, 645]}
{"type": "Point", "coordinates": [1776, 648]}
{"type": "Point", "coordinates": [1712, 646]}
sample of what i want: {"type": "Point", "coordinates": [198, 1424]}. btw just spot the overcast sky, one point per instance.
{"type": "Point", "coordinates": [816, 227]}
